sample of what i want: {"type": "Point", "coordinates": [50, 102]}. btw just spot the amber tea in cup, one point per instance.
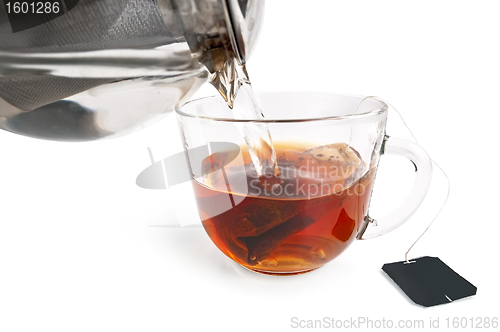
{"type": "Point", "coordinates": [295, 223]}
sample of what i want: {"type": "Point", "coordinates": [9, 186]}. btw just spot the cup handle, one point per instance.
{"type": "Point", "coordinates": [423, 169]}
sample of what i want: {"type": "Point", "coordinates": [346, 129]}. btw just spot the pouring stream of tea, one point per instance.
{"type": "Point", "coordinates": [234, 85]}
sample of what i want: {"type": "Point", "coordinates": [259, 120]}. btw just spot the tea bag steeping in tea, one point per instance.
{"type": "Point", "coordinates": [312, 184]}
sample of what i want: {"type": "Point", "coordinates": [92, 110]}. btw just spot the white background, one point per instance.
{"type": "Point", "coordinates": [82, 248]}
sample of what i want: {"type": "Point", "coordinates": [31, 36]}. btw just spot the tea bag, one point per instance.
{"type": "Point", "coordinates": [332, 163]}
{"type": "Point", "coordinates": [260, 227]}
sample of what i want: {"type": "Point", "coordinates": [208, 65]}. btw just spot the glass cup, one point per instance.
{"type": "Point", "coordinates": [314, 203]}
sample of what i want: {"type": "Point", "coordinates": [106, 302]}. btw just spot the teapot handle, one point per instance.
{"type": "Point", "coordinates": [423, 169]}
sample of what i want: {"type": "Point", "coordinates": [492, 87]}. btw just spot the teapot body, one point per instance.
{"type": "Point", "coordinates": [106, 68]}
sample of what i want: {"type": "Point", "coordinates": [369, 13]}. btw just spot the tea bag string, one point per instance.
{"type": "Point", "coordinates": [435, 163]}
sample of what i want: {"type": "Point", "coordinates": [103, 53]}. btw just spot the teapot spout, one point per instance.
{"type": "Point", "coordinates": [229, 79]}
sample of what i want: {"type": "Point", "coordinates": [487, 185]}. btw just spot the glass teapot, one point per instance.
{"type": "Point", "coordinates": [88, 69]}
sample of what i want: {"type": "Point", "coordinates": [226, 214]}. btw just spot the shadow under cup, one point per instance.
{"type": "Point", "coordinates": [308, 212]}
